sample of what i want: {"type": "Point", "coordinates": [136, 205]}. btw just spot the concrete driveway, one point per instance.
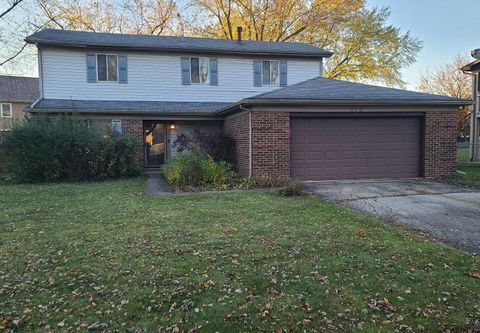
{"type": "Point", "coordinates": [449, 213]}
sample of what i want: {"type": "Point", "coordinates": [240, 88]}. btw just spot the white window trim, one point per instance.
{"type": "Point", "coordinates": [11, 110]}
{"type": "Point", "coordinates": [208, 66]}
{"type": "Point", "coordinates": [106, 60]}
{"type": "Point", "coordinates": [278, 77]}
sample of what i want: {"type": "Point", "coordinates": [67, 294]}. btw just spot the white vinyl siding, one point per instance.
{"type": "Point", "coordinates": [158, 78]}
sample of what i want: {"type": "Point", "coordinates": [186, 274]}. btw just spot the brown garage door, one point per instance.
{"type": "Point", "coordinates": [355, 147]}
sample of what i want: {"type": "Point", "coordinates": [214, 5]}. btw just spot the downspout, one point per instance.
{"type": "Point", "coordinates": [250, 157]}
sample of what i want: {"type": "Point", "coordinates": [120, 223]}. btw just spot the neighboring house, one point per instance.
{"type": "Point", "coordinates": [16, 94]}
{"type": "Point", "coordinates": [269, 96]}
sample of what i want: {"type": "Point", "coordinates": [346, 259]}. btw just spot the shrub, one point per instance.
{"type": "Point", "coordinates": [66, 149]}
{"type": "Point", "coordinates": [195, 169]}
{"type": "Point", "coordinates": [214, 143]}
{"type": "Point", "coordinates": [292, 189]}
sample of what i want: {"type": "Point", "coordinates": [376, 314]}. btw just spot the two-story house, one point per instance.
{"type": "Point", "coordinates": [16, 94]}
{"type": "Point", "coordinates": [269, 96]}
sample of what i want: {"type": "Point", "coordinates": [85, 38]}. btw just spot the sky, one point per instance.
{"type": "Point", "coordinates": [446, 27]}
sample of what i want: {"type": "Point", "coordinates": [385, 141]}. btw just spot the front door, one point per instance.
{"type": "Point", "coordinates": [154, 142]}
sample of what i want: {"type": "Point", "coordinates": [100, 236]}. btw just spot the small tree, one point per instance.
{"type": "Point", "coordinates": [449, 80]}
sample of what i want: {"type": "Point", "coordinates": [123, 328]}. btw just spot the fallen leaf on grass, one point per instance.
{"type": "Point", "coordinates": [361, 233]}
{"type": "Point", "coordinates": [474, 274]}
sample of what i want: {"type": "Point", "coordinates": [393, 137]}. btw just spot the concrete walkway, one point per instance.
{"type": "Point", "coordinates": [447, 212]}
{"type": "Point", "coordinates": [156, 185]}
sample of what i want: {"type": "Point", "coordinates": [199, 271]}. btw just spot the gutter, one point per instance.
{"type": "Point", "coordinates": [39, 43]}
{"type": "Point", "coordinates": [349, 102]}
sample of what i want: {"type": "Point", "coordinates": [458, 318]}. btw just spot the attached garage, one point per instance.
{"type": "Point", "coordinates": [324, 129]}
{"type": "Point", "coordinates": [349, 147]}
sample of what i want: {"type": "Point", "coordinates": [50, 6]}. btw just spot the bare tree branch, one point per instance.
{"type": "Point", "coordinates": [13, 56]}
{"type": "Point", "coordinates": [14, 4]}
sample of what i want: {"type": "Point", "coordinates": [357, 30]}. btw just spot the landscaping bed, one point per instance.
{"type": "Point", "coordinates": [102, 256]}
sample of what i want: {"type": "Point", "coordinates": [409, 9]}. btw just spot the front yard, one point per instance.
{"type": "Point", "coordinates": [102, 256]}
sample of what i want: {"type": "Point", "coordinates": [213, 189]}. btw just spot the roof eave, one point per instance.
{"type": "Point", "coordinates": [128, 112]}
{"type": "Point", "coordinates": [43, 43]}
{"type": "Point", "coordinates": [350, 102]}
{"type": "Point", "coordinates": [459, 102]}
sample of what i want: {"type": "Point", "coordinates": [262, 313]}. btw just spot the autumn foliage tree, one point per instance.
{"type": "Point", "coordinates": [366, 47]}
{"type": "Point", "coordinates": [449, 80]}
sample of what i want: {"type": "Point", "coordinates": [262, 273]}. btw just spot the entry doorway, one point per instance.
{"type": "Point", "coordinates": [154, 142]}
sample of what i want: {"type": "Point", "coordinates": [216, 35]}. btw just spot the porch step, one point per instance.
{"type": "Point", "coordinates": [152, 171]}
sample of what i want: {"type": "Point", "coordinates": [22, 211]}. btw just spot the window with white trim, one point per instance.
{"type": "Point", "coordinates": [199, 70]}
{"type": "Point", "coordinates": [107, 67]}
{"type": "Point", "coordinates": [270, 73]}
{"type": "Point", "coordinates": [6, 110]}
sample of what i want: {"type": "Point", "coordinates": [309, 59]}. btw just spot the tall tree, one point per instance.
{"type": "Point", "coordinates": [449, 80]}
{"type": "Point", "coordinates": [152, 17]}
{"type": "Point", "coordinates": [365, 47]}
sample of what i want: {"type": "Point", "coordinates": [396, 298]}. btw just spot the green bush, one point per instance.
{"type": "Point", "coordinates": [292, 189]}
{"type": "Point", "coordinates": [66, 149]}
{"type": "Point", "coordinates": [194, 169]}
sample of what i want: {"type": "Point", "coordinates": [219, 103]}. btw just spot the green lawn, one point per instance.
{"type": "Point", "coordinates": [469, 175]}
{"type": "Point", "coordinates": [104, 256]}
{"type": "Point", "coordinates": [463, 154]}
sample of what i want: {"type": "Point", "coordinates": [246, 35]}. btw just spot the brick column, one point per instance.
{"type": "Point", "coordinates": [134, 127]}
{"type": "Point", "coordinates": [271, 144]}
{"type": "Point", "coordinates": [440, 144]}
{"type": "Point", "coordinates": [237, 127]}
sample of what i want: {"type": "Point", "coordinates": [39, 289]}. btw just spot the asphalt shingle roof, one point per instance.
{"type": "Point", "coordinates": [170, 43]}
{"type": "Point", "coordinates": [130, 106]}
{"type": "Point", "coordinates": [18, 89]}
{"type": "Point", "coordinates": [323, 89]}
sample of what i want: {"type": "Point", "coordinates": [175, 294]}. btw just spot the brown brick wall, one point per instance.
{"type": "Point", "coordinates": [440, 144]}
{"type": "Point", "coordinates": [270, 144]}
{"type": "Point", "coordinates": [237, 127]}
{"type": "Point", "coordinates": [134, 127]}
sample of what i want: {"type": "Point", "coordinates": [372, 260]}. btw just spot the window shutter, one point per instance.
{"type": "Point", "coordinates": [257, 73]}
{"type": "Point", "coordinates": [122, 69]}
{"type": "Point", "coordinates": [213, 72]}
{"type": "Point", "coordinates": [185, 70]}
{"type": "Point", "coordinates": [91, 68]}
{"type": "Point", "coordinates": [283, 73]}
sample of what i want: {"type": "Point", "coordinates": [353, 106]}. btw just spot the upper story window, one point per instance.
{"type": "Point", "coordinates": [107, 67]}
{"type": "Point", "coordinates": [199, 70]}
{"type": "Point", "coordinates": [6, 110]}
{"type": "Point", "coordinates": [270, 73]}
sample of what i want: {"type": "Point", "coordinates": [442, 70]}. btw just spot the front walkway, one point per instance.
{"type": "Point", "coordinates": [447, 212]}
{"type": "Point", "coordinates": [156, 185]}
